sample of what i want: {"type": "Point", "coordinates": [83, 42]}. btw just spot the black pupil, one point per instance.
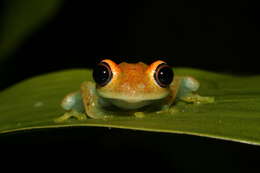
{"type": "Point", "coordinates": [164, 75]}
{"type": "Point", "coordinates": [102, 74]}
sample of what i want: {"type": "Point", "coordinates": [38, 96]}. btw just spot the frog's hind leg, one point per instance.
{"type": "Point", "coordinates": [73, 101]}
{"type": "Point", "coordinates": [74, 107]}
{"type": "Point", "coordinates": [187, 91]}
{"type": "Point", "coordinates": [187, 86]}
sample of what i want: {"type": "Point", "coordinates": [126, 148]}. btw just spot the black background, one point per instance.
{"type": "Point", "coordinates": [221, 36]}
{"type": "Point", "coordinates": [104, 149]}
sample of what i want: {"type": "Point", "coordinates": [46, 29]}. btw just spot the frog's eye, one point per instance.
{"type": "Point", "coordinates": [163, 75]}
{"type": "Point", "coordinates": [102, 74]}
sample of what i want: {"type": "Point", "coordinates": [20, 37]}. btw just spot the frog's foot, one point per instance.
{"type": "Point", "coordinates": [70, 116]}
{"type": "Point", "coordinates": [167, 109]}
{"type": "Point", "coordinates": [196, 98]}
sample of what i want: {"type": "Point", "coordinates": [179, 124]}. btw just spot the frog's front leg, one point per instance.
{"type": "Point", "coordinates": [187, 91]}
{"type": "Point", "coordinates": [93, 104]}
{"type": "Point", "coordinates": [85, 101]}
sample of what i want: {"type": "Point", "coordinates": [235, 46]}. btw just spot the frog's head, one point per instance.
{"type": "Point", "coordinates": [133, 83]}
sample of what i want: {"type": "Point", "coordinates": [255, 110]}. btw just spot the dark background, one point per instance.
{"type": "Point", "coordinates": [221, 36]}
{"type": "Point", "coordinates": [103, 149]}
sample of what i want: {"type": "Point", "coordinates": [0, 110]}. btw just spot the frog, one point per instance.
{"type": "Point", "coordinates": [129, 87]}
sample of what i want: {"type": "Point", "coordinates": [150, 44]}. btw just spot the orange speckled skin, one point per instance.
{"type": "Point", "coordinates": [133, 82]}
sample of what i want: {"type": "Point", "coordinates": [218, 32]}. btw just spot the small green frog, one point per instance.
{"type": "Point", "coordinates": [129, 87]}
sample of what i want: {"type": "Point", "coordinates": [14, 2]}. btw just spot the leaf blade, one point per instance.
{"type": "Point", "coordinates": [234, 116]}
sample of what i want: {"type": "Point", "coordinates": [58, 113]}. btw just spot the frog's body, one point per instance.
{"type": "Point", "coordinates": [130, 87]}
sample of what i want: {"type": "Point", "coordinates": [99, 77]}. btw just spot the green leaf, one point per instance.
{"type": "Point", "coordinates": [20, 18]}
{"type": "Point", "coordinates": [235, 115]}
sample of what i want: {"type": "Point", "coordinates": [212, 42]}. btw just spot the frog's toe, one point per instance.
{"type": "Point", "coordinates": [70, 115]}
{"type": "Point", "coordinates": [195, 98]}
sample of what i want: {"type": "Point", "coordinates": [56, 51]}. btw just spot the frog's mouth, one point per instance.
{"type": "Point", "coordinates": [133, 98]}
{"type": "Point", "coordinates": [129, 105]}
{"type": "Point", "coordinates": [132, 102]}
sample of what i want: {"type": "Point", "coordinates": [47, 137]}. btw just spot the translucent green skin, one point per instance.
{"type": "Point", "coordinates": [88, 101]}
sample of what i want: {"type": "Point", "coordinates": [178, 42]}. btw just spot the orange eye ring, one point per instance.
{"type": "Point", "coordinates": [162, 73]}
{"type": "Point", "coordinates": [104, 72]}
